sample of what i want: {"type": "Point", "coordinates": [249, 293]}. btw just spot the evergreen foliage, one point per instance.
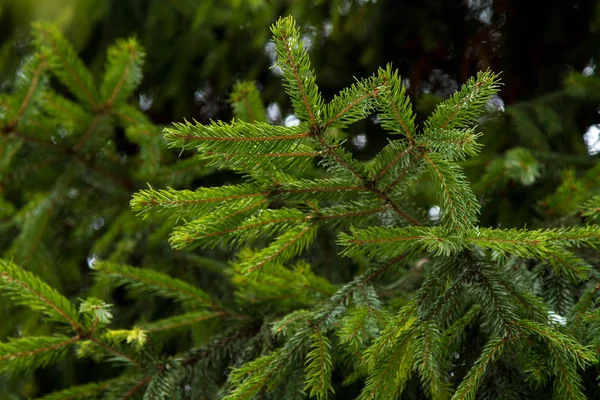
{"type": "Point", "coordinates": [288, 332]}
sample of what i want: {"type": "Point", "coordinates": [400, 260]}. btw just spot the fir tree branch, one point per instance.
{"type": "Point", "coordinates": [208, 234]}
{"type": "Point", "coordinates": [494, 301]}
{"type": "Point", "coordinates": [144, 280]}
{"type": "Point", "coordinates": [27, 289]}
{"type": "Point", "coordinates": [331, 307]}
{"type": "Point", "coordinates": [28, 96]}
{"type": "Point", "coordinates": [88, 133]}
{"type": "Point", "coordinates": [584, 303]}
{"type": "Point", "coordinates": [575, 393]}
{"type": "Point", "coordinates": [319, 366]}
{"type": "Point", "coordinates": [187, 138]}
{"type": "Point", "coordinates": [458, 200]}
{"type": "Point", "coordinates": [37, 240]}
{"type": "Point", "coordinates": [402, 174]}
{"type": "Point", "coordinates": [76, 76]}
{"type": "Point", "coordinates": [365, 183]}
{"type": "Point", "coordinates": [181, 203]}
{"type": "Point", "coordinates": [351, 328]}
{"type": "Point", "coordinates": [294, 62]}
{"type": "Point", "coordinates": [267, 370]}
{"type": "Point", "coordinates": [32, 352]}
{"type": "Point", "coordinates": [453, 332]}
{"type": "Point", "coordinates": [183, 320]}
{"type": "Point", "coordinates": [313, 190]}
{"type": "Point", "coordinates": [294, 240]}
{"type": "Point", "coordinates": [390, 372]}
{"type": "Point", "coordinates": [234, 137]}
{"type": "Point", "coordinates": [386, 169]}
{"type": "Point", "coordinates": [467, 390]}
{"type": "Point", "coordinates": [462, 108]}
{"type": "Point", "coordinates": [426, 349]}
{"type": "Point", "coordinates": [209, 351]}
{"type": "Point", "coordinates": [578, 353]}
{"type": "Point", "coordinates": [66, 151]}
{"type": "Point", "coordinates": [567, 353]}
{"type": "Point", "coordinates": [123, 72]}
{"type": "Point", "coordinates": [396, 105]}
{"type": "Point", "coordinates": [246, 102]}
{"type": "Point", "coordinates": [113, 350]}
{"type": "Point", "coordinates": [323, 189]}
{"type": "Point", "coordinates": [134, 390]}
{"type": "Point", "coordinates": [87, 391]}
{"type": "Point", "coordinates": [271, 154]}
{"type": "Point", "coordinates": [450, 296]}
{"type": "Point", "coordinates": [352, 104]}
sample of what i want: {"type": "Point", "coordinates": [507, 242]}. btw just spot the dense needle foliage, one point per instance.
{"type": "Point", "coordinates": [435, 305]}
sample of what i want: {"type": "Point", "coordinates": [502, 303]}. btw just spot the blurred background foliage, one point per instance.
{"type": "Point", "coordinates": [541, 136]}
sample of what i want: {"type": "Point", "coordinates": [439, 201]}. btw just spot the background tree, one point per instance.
{"type": "Point", "coordinates": [63, 203]}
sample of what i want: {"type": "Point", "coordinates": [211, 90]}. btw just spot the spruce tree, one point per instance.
{"type": "Point", "coordinates": [410, 305]}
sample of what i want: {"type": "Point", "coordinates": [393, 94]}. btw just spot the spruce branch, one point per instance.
{"type": "Point", "coordinates": [27, 289]}
{"type": "Point", "coordinates": [396, 111]}
{"type": "Point", "coordinates": [444, 301]}
{"type": "Point", "coordinates": [455, 144]}
{"type": "Point", "coordinates": [352, 104]}
{"type": "Point", "coordinates": [452, 335]}
{"type": "Point", "coordinates": [141, 383]}
{"type": "Point", "coordinates": [299, 79]}
{"type": "Point", "coordinates": [233, 145]}
{"type": "Point", "coordinates": [281, 250]}
{"type": "Point", "coordinates": [388, 375]}
{"type": "Point", "coordinates": [353, 326]}
{"type": "Point", "coordinates": [324, 189]}
{"type": "Point", "coordinates": [298, 284]}
{"type": "Point", "coordinates": [146, 281]}
{"type": "Point", "coordinates": [123, 72]}
{"type": "Point", "coordinates": [494, 348]}
{"type": "Point", "coordinates": [334, 306]}
{"type": "Point", "coordinates": [64, 151]}
{"type": "Point", "coordinates": [238, 229]}
{"type": "Point", "coordinates": [222, 136]}
{"type": "Point", "coordinates": [223, 345]}
{"type": "Point", "coordinates": [267, 371]}
{"type": "Point", "coordinates": [319, 366]}
{"type": "Point", "coordinates": [182, 203]}
{"type": "Point", "coordinates": [462, 108]}
{"type": "Point", "coordinates": [398, 324]}
{"type": "Point", "coordinates": [387, 160]}
{"type": "Point", "coordinates": [31, 77]}
{"type": "Point", "coordinates": [567, 355]}
{"type": "Point", "coordinates": [426, 346]}
{"type": "Point", "coordinates": [394, 242]}
{"type": "Point", "coordinates": [87, 391]}
{"type": "Point", "coordinates": [65, 64]}
{"type": "Point", "coordinates": [91, 129]}
{"type": "Point", "coordinates": [474, 275]}
{"type": "Point", "coordinates": [533, 244]}
{"type": "Point", "coordinates": [586, 301]}
{"type": "Point", "coordinates": [500, 311]}
{"type": "Point", "coordinates": [29, 353]}
{"type": "Point", "coordinates": [246, 103]}
{"type": "Point", "coordinates": [181, 321]}
{"type": "Point", "coordinates": [111, 349]}
{"type": "Point", "coordinates": [340, 161]}
{"type": "Point", "coordinates": [591, 209]}
{"type": "Point", "coordinates": [459, 204]}
{"type": "Point", "coordinates": [69, 114]}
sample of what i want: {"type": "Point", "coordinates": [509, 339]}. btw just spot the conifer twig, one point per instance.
{"type": "Point", "coordinates": [34, 82]}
